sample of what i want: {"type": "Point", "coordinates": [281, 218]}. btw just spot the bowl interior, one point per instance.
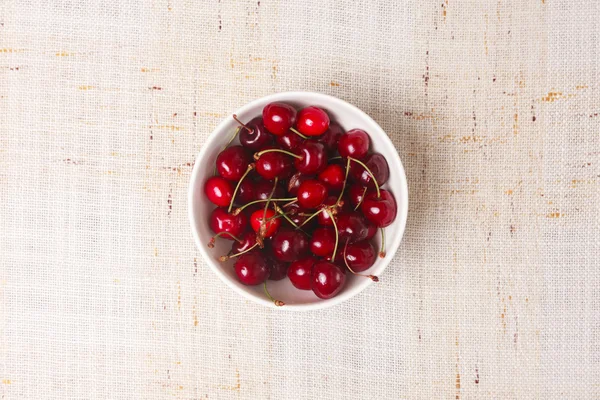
{"type": "Point", "coordinates": [349, 117]}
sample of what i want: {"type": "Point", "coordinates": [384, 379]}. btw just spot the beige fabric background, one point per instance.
{"type": "Point", "coordinates": [493, 106]}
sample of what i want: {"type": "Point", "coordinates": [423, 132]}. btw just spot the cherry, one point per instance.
{"type": "Point", "coordinates": [356, 194]}
{"type": "Point", "coordinates": [327, 279]}
{"type": "Point", "coordinates": [289, 244]}
{"type": "Point", "coordinates": [271, 165]}
{"type": "Point", "coordinates": [254, 135]}
{"type": "Point", "coordinates": [354, 143]}
{"type": "Point", "coordinates": [312, 121]}
{"type": "Point", "coordinates": [352, 226]}
{"type": "Point", "coordinates": [247, 241]}
{"type": "Point", "coordinates": [322, 242]}
{"type": "Point", "coordinates": [294, 183]}
{"type": "Point", "coordinates": [267, 226]}
{"type": "Point", "coordinates": [289, 141]}
{"type": "Point", "coordinates": [299, 272]}
{"type": "Point", "coordinates": [227, 224]}
{"type": "Point", "coordinates": [371, 230]}
{"type": "Point", "coordinates": [313, 157]}
{"type": "Point", "coordinates": [333, 176]}
{"type": "Point", "coordinates": [324, 218]}
{"type": "Point", "coordinates": [378, 166]}
{"type": "Point", "coordinates": [380, 210]}
{"type": "Point", "coordinates": [218, 190]}
{"type": "Point", "coordinates": [233, 162]}
{"type": "Point", "coordinates": [298, 217]}
{"type": "Point", "coordinates": [360, 256]}
{"type": "Point", "coordinates": [278, 117]}
{"type": "Point", "coordinates": [262, 190]}
{"type": "Point", "coordinates": [331, 137]}
{"type": "Point", "coordinates": [311, 194]}
{"type": "Point", "coordinates": [279, 269]}
{"type": "Point", "coordinates": [246, 192]}
{"type": "Point", "coordinates": [252, 268]}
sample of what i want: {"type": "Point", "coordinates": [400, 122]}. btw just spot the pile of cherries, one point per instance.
{"type": "Point", "coordinates": [301, 198]}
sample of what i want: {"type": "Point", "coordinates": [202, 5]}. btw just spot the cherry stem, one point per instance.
{"type": "Point", "coordinates": [372, 277]}
{"type": "Point", "coordinates": [345, 180]}
{"type": "Point", "coordinates": [289, 153]}
{"type": "Point", "coordinates": [284, 215]}
{"type": "Point", "coordinates": [309, 218]}
{"type": "Point", "coordinates": [228, 256]}
{"type": "Point", "coordinates": [239, 209]}
{"type": "Point", "coordinates": [382, 250]}
{"type": "Point", "coordinates": [336, 235]}
{"type": "Point", "coordinates": [250, 168]}
{"type": "Point", "coordinates": [370, 173]}
{"type": "Point", "coordinates": [211, 244]}
{"type": "Point", "coordinates": [361, 199]}
{"type": "Point", "coordinates": [298, 133]}
{"type": "Point", "coordinates": [242, 124]}
{"type": "Point", "coordinates": [269, 200]}
{"type": "Point", "coordinates": [335, 158]}
{"type": "Point", "coordinates": [278, 303]}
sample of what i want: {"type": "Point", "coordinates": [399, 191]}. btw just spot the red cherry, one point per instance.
{"type": "Point", "coordinates": [289, 141]}
{"type": "Point", "coordinates": [311, 194]}
{"type": "Point", "coordinates": [324, 218]}
{"type": "Point", "coordinates": [295, 182]}
{"type": "Point", "coordinates": [322, 242]}
{"type": "Point", "coordinates": [312, 121]}
{"type": "Point", "coordinates": [380, 210]}
{"type": "Point", "coordinates": [222, 221]}
{"type": "Point", "coordinates": [298, 217]}
{"type": "Point", "coordinates": [299, 272]}
{"type": "Point", "coordinates": [279, 269]}
{"type": "Point", "coordinates": [247, 240]}
{"type": "Point", "coordinates": [371, 230]}
{"type": "Point", "coordinates": [254, 135]}
{"type": "Point", "coordinates": [360, 256]}
{"type": "Point", "coordinates": [378, 167]}
{"type": "Point", "coordinates": [256, 221]}
{"type": "Point", "coordinates": [352, 226]}
{"type": "Point", "coordinates": [331, 137]}
{"type": "Point", "coordinates": [327, 280]}
{"type": "Point", "coordinates": [356, 194]}
{"type": "Point", "coordinates": [313, 158]}
{"type": "Point", "coordinates": [218, 190]}
{"type": "Point", "coordinates": [251, 268]}
{"type": "Point", "coordinates": [333, 176]}
{"type": "Point", "coordinates": [246, 192]}
{"type": "Point", "coordinates": [289, 244]}
{"type": "Point", "coordinates": [233, 162]}
{"type": "Point", "coordinates": [278, 117]}
{"type": "Point", "coordinates": [262, 190]}
{"type": "Point", "coordinates": [274, 164]}
{"type": "Point", "coordinates": [354, 143]}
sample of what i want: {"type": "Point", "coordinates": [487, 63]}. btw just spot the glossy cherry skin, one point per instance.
{"type": "Point", "coordinates": [299, 272]}
{"type": "Point", "coordinates": [273, 165]}
{"type": "Point", "coordinates": [233, 162]}
{"type": "Point", "coordinates": [378, 167]}
{"type": "Point", "coordinates": [313, 158]}
{"type": "Point", "coordinates": [380, 211]}
{"type": "Point", "coordinates": [311, 194]}
{"type": "Point", "coordinates": [331, 137]}
{"type": "Point", "coordinates": [324, 218]}
{"type": "Point", "coordinates": [222, 221]}
{"type": "Point", "coordinates": [295, 181]}
{"type": "Point", "coordinates": [247, 240]}
{"type": "Point", "coordinates": [257, 138]}
{"type": "Point", "coordinates": [327, 279]}
{"type": "Point", "coordinates": [279, 117]}
{"type": "Point", "coordinates": [288, 245]}
{"type": "Point", "coordinates": [245, 193]}
{"type": "Point", "coordinates": [371, 230]}
{"type": "Point", "coordinates": [262, 190]}
{"type": "Point", "coordinates": [322, 242]}
{"type": "Point", "coordinates": [289, 141]}
{"type": "Point", "coordinates": [333, 177]}
{"type": "Point", "coordinates": [356, 193]}
{"type": "Point", "coordinates": [354, 143]}
{"type": "Point", "coordinates": [252, 268]}
{"type": "Point", "coordinates": [278, 269]}
{"type": "Point", "coordinates": [312, 121]}
{"type": "Point", "coordinates": [360, 256]}
{"type": "Point", "coordinates": [218, 190]}
{"type": "Point", "coordinates": [352, 226]}
{"type": "Point", "coordinates": [256, 220]}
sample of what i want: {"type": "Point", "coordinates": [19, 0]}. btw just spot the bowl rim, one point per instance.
{"type": "Point", "coordinates": [402, 215]}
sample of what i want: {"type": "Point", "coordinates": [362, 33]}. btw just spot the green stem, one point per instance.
{"type": "Point", "coordinates": [298, 133]}
{"type": "Point", "coordinates": [337, 236]}
{"type": "Point", "coordinates": [382, 250]}
{"type": "Point", "coordinates": [289, 153]}
{"type": "Point", "coordinates": [361, 198]}
{"type": "Point", "coordinates": [239, 209]}
{"type": "Point", "coordinates": [228, 256]}
{"type": "Point", "coordinates": [345, 180]}
{"type": "Point", "coordinates": [250, 168]}
{"type": "Point", "coordinates": [278, 303]}
{"type": "Point", "coordinates": [370, 173]}
{"type": "Point", "coordinates": [309, 218]}
{"type": "Point", "coordinates": [211, 243]}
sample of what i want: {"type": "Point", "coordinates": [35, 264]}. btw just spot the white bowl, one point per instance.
{"type": "Point", "coordinates": [349, 117]}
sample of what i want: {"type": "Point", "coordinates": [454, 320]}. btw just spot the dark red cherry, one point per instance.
{"type": "Point", "coordinates": [289, 141]}
{"type": "Point", "coordinates": [360, 256]}
{"type": "Point", "coordinates": [378, 167]}
{"type": "Point", "coordinates": [273, 165]}
{"type": "Point", "coordinates": [333, 177]}
{"type": "Point", "coordinates": [222, 221]}
{"type": "Point", "coordinates": [380, 210]}
{"type": "Point", "coordinates": [311, 194]}
{"type": "Point", "coordinates": [354, 143]}
{"type": "Point", "coordinates": [252, 268]}
{"type": "Point", "coordinates": [313, 158]}
{"type": "Point", "coordinates": [299, 215]}
{"type": "Point", "coordinates": [247, 240]}
{"type": "Point", "coordinates": [262, 190]}
{"type": "Point", "coordinates": [331, 137]}
{"type": "Point", "coordinates": [245, 193]}
{"type": "Point", "coordinates": [255, 137]}
{"type": "Point", "coordinates": [371, 230]}
{"type": "Point", "coordinates": [233, 162]}
{"type": "Point", "coordinates": [324, 218]}
{"type": "Point", "coordinates": [218, 190]}
{"type": "Point", "coordinates": [278, 117]}
{"type": "Point", "coordinates": [295, 182]}
{"type": "Point", "coordinates": [299, 272]}
{"type": "Point", "coordinates": [327, 279]}
{"type": "Point", "coordinates": [289, 245]}
{"type": "Point", "coordinates": [312, 121]}
{"type": "Point", "coordinates": [356, 193]}
{"type": "Point", "coordinates": [322, 242]}
{"type": "Point", "coordinates": [270, 225]}
{"type": "Point", "coordinates": [278, 268]}
{"type": "Point", "coordinates": [351, 226]}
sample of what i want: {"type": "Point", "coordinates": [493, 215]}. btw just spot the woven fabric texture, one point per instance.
{"type": "Point", "coordinates": [493, 106]}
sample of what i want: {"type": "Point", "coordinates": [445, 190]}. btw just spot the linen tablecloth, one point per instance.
{"type": "Point", "coordinates": [493, 106]}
